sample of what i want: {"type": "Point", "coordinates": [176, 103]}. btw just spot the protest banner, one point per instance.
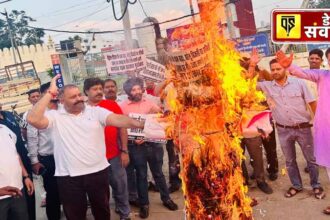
{"type": "Point", "coordinates": [185, 36]}
{"type": "Point", "coordinates": [154, 71]}
{"type": "Point", "coordinates": [129, 62]}
{"type": "Point", "coordinates": [158, 131]}
{"type": "Point", "coordinates": [190, 64]}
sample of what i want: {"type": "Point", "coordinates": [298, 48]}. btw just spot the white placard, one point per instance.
{"type": "Point", "coordinates": [125, 62]}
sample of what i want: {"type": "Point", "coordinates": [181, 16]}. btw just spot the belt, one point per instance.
{"type": "Point", "coordinates": [298, 126]}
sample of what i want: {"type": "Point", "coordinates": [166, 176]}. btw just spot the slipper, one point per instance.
{"type": "Point", "coordinates": [319, 193]}
{"type": "Point", "coordinates": [327, 210]}
{"type": "Point", "coordinates": [292, 192]}
{"type": "Point", "coordinates": [254, 202]}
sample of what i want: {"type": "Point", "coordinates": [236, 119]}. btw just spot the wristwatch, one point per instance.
{"type": "Point", "coordinates": [124, 151]}
{"type": "Point", "coordinates": [25, 177]}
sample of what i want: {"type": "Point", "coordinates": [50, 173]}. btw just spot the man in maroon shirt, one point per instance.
{"type": "Point", "coordinates": [116, 147]}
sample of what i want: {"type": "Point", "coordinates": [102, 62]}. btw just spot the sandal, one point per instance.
{"type": "Point", "coordinates": [327, 210]}
{"type": "Point", "coordinates": [254, 202]}
{"type": "Point", "coordinates": [292, 192]}
{"type": "Point", "coordinates": [319, 193]}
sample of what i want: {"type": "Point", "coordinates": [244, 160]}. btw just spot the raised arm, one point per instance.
{"type": "Point", "coordinates": [312, 74]}
{"type": "Point", "coordinates": [286, 62]}
{"type": "Point", "coordinates": [36, 116]}
{"type": "Point", "coordinates": [254, 60]}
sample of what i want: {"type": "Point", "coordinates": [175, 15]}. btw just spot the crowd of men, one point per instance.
{"type": "Point", "coordinates": [78, 142]}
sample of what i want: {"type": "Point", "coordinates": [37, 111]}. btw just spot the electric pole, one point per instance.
{"type": "Point", "coordinates": [192, 11]}
{"type": "Point", "coordinates": [126, 24]}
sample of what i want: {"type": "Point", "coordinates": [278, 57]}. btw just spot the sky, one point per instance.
{"type": "Point", "coordinates": [82, 15]}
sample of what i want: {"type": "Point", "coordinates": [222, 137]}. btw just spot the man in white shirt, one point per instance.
{"type": "Point", "coordinates": [78, 134]}
{"type": "Point", "coordinates": [33, 97]}
{"type": "Point", "coordinates": [12, 174]}
{"type": "Point", "coordinates": [41, 153]}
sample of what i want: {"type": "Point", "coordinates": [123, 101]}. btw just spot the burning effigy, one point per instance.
{"type": "Point", "coordinates": [206, 99]}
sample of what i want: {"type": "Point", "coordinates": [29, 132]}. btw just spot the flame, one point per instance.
{"type": "Point", "coordinates": [207, 112]}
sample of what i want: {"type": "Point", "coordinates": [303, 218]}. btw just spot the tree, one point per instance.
{"type": "Point", "coordinates": [76, 37]}
{"type": "Point", "coordinates": [18, 22]}
{"type": "Point", "coordinates": [322, 4]}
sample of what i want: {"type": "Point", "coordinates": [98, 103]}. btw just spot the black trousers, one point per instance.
{"type": "Point", "coordinates": [13, 209]}
{"type": "Point", "coordinates": [73, 195]}
{"type": "Point", "coordinates": [254, 148]}
{"type": "Point", "coordinates": [173, 164]}
{"type": "Point", "coordinates": [271, 154]}
{"type": "Point", "coordinates": [53, 205]}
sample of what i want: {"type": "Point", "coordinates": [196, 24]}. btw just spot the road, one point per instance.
{"type": "Point", "coordinates": [271, 207]}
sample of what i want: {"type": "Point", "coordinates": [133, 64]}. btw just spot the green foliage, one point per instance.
{"type": "Point", "coordinates": [76, 37]}
{"type": "Point", "coordinates": [50, 73]}
{"type": "Point", "coordinates": [321, 4]}
{"type": "Point", "coordinates": [18, 22]}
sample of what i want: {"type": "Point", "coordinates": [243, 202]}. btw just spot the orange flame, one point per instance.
{"type": "Point", "coordinates": [207, 114]}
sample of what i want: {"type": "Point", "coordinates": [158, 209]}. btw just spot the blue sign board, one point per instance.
{"type": "Point", "coordinates": [318, 46]}
{"type": "Point", "coordinates": [57, 70]}
{"type": "Point", "coordinates": [259, 41]}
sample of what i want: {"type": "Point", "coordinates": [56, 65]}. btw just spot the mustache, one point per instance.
{"type": "Point", "coordinates": [100, 94]}
{"type": "Point", "coordinates": [78, 102]}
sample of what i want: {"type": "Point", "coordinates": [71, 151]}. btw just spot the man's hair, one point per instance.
{"type": "Point", "coordinates": [44, 87]}
{"type": "Point", "coordinates": [110, 80]}
{"type": "Point", "coordinates": [32, 91]}
{"type": "Point", "coordinates": [64, 88]}
{"type": "Point", "coordinates": [90, 82]}
{"type": "Point", "coordinates": [130, 83]}
{"type": "Point", "coordinates": [317, 52]}
{"type": "Point", "coordinates": [272, 62]}
{"type": "Point", "coordinates": [327, 53]}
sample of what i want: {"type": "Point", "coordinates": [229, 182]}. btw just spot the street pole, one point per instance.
{"type": "Point", "coordinates": [126, 24]}
{"type": "Point", "coordinates": [192, 11]}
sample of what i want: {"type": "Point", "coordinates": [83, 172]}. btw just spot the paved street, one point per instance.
{"type": "Point", "coordinates": [271, 207]}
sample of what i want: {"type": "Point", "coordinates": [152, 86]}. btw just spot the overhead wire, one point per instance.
{"type": "Point", "coordinates": [123, 12]}
{"type": "Point", "coordinates": [66, 8]}
{"type": "Point", "coordinates": [144, 11]}
{"type": "Point", "coordinates": [110, 31]}
{"type": "Point", "coordinates": [80, 18]}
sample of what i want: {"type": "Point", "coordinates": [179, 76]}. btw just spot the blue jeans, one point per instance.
{"type": "Point", "coordinates": [155, 155]}
{"type": "Point", "coordinates": [137, 174]}
{"type": "Point", "coordinates": [288, 137]}
{"type": "Point", "coordinates": [118, 183]}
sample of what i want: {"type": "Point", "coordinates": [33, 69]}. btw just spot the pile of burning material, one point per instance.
{"type": "Point", "coordinates": [206, 103]}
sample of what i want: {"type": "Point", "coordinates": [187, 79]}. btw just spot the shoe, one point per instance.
{"type": "Point", "coordinates": [306, 170]}
{"type": "Point", "coordinates": [170, 205]}
{"type": "Point", "coordinates": [273, 176]}
{"type": "Point", "coordinates": [263, 186]}
{"type": "Point", "coordinates": [134, 203]}
{"type": "Point", "coordinates": [153, 187]}
{"type": "Point", "coordinates": [144, 211]}
{"type": "Point", "coordinates": [174, 188]}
